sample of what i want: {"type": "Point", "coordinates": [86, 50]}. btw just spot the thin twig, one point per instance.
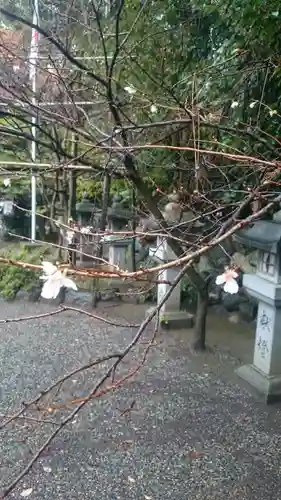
{"type": "Point", "coordinates": [28, 318]}
{"type": "Point", "coordinates": [99, 384]}
{"type": "Point", "coordinates": [100, 318]}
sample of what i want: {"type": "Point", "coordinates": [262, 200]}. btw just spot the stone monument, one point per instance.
{"type": "Point", "coordinates": [85, 239]}
{"type": "Point", "coordinates": [170, 315]}
{"type": "Point", "coordinates": [264, 374]}
{"type": "Point", "coordinates": [85, 211]}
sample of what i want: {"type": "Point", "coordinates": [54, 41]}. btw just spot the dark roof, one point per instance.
{"type": "Point", "coordinates": [263, 235]}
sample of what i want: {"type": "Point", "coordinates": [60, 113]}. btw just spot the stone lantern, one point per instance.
{"type": "Point", "coordinates": [120, 247]}
{"type": "Point", "coordinates": [85, 211]}
{"type": "Point", "coordinates": [85, 241]}
{"type": "Point", "coordinates": [170, 314]}
{"type": "Point", "coordinates": [265, 372]}
{"type": "Point", "coordinates": [118, 216]}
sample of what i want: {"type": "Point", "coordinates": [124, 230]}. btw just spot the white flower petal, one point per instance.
{"type": "Point", "coordinates": [231, 286]}
{"type": "Point", "coordinates": [234, 104]}
{"type": "Point", "coordinates": [68, 283]}
{"type": "Point", "coordinates": [86, 230]}
{"type": "Point", "coordinates": [220, 280]}
{"type": "Point", "coordinates": [153, 108]}
{"type": "Point", "coordinates": [26, 493]}
{"type": "Point", "coordinates": [233, 273]}
{"type": "Point", "coordinates": [57, 284]}
{"type": "Point", "coordinates": [48, 268]}
{"type": "Point", "coordinates": [69, 236]}
{"type": "Point", "coordinates": [47, 469]}
{"type": "Point", "coordinates": [252, 105]}
{"type": "Point", "coordinates": [7, 182]}
{"type": "Point", "coordinates": [51, 289]}
{"type": "Point", "coordinates": [130, 90]}
{"type": "Point", "coordinates": [57, 275]}
{"type": "Point", "coordinates": [47, 290]}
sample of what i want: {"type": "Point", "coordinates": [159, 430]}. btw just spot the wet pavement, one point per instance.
{"type": "Point", "coordinates": [194, 432]}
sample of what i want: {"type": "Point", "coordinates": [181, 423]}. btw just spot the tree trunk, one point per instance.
{"type": "Point", "coordinates": [200, 321]}
{"type": "Point", "coordinates": [73, 180]}
{"type": "Point", "coordinates": [134, 265]}
{"type": "Point", "coordinates": [102, 224]}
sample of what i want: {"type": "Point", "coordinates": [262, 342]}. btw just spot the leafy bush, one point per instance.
{"type": "Point", "coordinates": [188, 293]}
{"type": "Point", "coordinates": [13, 278]}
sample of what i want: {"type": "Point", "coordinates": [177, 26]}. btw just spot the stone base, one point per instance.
{"type": "Point", "coordinates": [175, 320]}
{"type": "Point", "coordinates": [268, 386]}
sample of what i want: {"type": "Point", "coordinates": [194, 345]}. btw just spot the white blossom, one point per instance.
{"type": "Point", "coordinates": [153, 108]}
{"type": "Point", "coordinates": [272, 112]}
{"type": "Point", "coordinates": [234, 104]}
{"type": "Point", "coordinates": [228, 279]}
{"type": "Point", "coordinates": [7, 182]}
{"type": "Point", "coordinates": [130, 90]}
{"type": "Point", "coordinates": [26, 493]}
{"type": "Point", "coordinates": [86, 230]}
{"type": "Point", "coordinates": [252, 105]}
{"type": "Point", "coordinates": [69, 236]}
{"type": "Point", "coordinates": [51, 69]}
{"type": "Point", "coordinates": [47, 469]}
{"type": "Point", "coordinates": [54, 281]}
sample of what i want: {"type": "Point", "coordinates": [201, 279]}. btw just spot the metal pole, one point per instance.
{"type": "Point", "coordinates": [34, 48]}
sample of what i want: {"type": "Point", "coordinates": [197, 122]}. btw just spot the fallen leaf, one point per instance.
{"type": "Point", "coordinates": [26, 493]}
{"type": "Point", "coordinates": [131, 479]}
{"type": "Point", "coordinates": [195, 454]}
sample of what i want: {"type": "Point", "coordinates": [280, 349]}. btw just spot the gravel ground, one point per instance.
{"type": "Point", "coordinates": [194, 432]}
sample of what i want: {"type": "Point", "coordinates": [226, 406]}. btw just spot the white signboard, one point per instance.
{"type": "Point", "coordinates": [8, 208]}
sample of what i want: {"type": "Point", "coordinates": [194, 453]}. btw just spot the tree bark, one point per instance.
{"type": "Point", "coordinates": [73, 180]}
{"type": "Point", "coordinates": [134, 265]}
{"type": "Point", "coordinates": [199, 340]}
{"type": "Point", "coordinates": [140, 185]}
{"type": "Point", "coordinates": [194, 276]}
{"type": "Point", "coordinates": [102, 224]}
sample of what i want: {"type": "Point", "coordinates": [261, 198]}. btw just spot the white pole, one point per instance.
{"type": "Point", "coordinates": [33, 58]}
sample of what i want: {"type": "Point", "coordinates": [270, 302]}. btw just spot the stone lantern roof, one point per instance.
{"type": "Point", "coordinates": [262, 235]}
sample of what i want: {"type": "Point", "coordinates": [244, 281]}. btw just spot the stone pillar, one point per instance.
{"type": "Point", "coordinates": [120, 252]}
{"type": "Point", "coordinates": [265, 372]}
{"type": "Point", "coordinates": [171, 315]}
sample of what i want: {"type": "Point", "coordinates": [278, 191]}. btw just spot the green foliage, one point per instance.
{"type": "Point", "coordinates": [18, 186]}
{"type": "Point", "coordinates": [13, 278]}
{"type": "Point", "coordinates": [94, 189]}
{"type": "Point", "coordinates": [188, 293]}
{"type": "Point", "coordinates": [180, 54]}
